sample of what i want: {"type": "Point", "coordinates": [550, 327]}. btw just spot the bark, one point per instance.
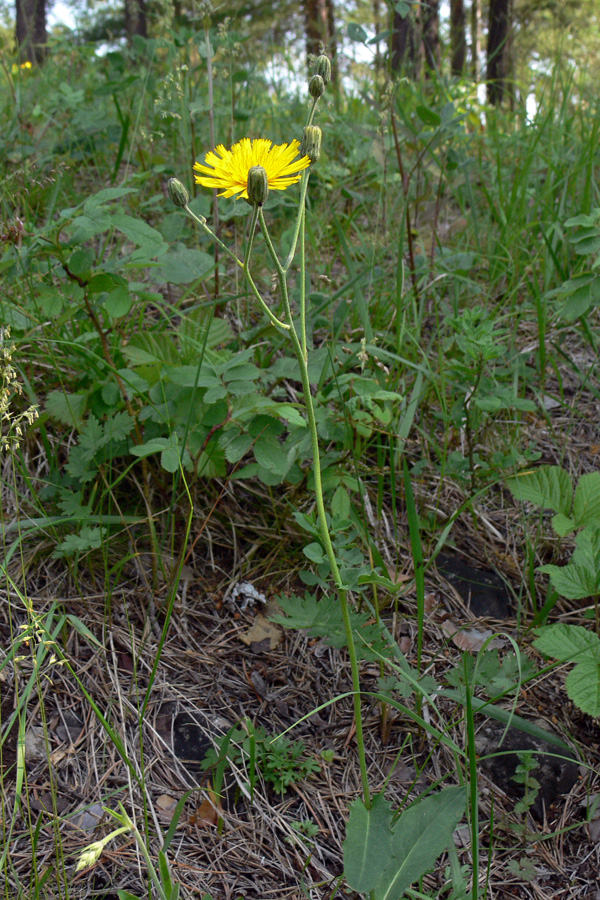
{"type": "Point", "coordinates": [316, 26]}
{"type": "Point", "coordinates": [431, 35]}
{"type": "Point", "coordinates": [458, 39]}
{"type": "Point", "coordinates": [475, 38]}
{"type": "Point", "coordinates": [498, 50]}
{"type": "Point", "coordinates": [30, 30]}
{"type": "Point", "coordinates": [319, 30]}
{"type": "Point", "coordinates": [135, 19]}
{"type": "Point", "coordinates": [407, 43]}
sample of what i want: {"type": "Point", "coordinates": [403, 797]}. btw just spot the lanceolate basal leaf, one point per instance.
{"type": "Point", "coordinates": [422, 833]}
{"type": "Point", "coordinates": [368, 842]}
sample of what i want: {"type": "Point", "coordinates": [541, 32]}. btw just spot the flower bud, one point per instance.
{"type": "Point", "coordinates": [316, 86]}
{"type": "Point", "coordinates": [323, 68]}
{"type": "Point", "coordinates": [258, 185]}
{"type": "Point", "coordinates": [311, 143]}
{"type": "Point", "coordinates": [178, 192]}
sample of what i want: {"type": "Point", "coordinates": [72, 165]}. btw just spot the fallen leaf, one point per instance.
{"type": "Point", "coordinates": [471, 639]}
{"type": "Point", "coordinates": [165, 807]}
{"type": "Point", "coordinates": [210, 810]}
{"type": "Point", "coordinates": [262, 630]}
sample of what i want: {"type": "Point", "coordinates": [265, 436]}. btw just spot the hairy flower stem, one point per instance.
{"type": "Point", "coordinates": [302, 354]}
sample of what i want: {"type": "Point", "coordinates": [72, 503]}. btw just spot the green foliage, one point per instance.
{"type": "Point", "coordinates": [575, 644]}
{"type": "Point", "coordinates": [280, 761]}
{"type": "Point", "coordinates": [386, 857]}
{"type": "Point", "coordinates": [551, 488]}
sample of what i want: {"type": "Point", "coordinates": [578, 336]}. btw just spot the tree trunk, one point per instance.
{"type": "Point", "coordinates": [458, 40]}
{"type": "Point", "coordinates": [316, 26]}
{"type": "Point", "coordinates": [407, 43]}
{"type": "Point", "coordinates": [498, 50]}
{"type": "Point", "coordinates": [431, 36]}
{"type": "Point", "coordinates": [475, 38]}
{"type": "Point", "coordinates": [31, 30]}
{"type": "Point", "coordinates": [319, 30]}
{"type": "Point", "coordinates": [135, 19]}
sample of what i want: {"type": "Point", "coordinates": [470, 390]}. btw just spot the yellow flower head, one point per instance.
{"type": "Point", "coordinates": [228, 169]}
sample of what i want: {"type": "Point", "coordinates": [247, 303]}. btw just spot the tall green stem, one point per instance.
{"type": "Point", "coordinates": [325, 536]}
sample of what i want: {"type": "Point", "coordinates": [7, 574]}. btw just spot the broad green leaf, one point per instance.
{"type": "Point", "coordinates": [105, 196]}
{"type": "Point", "coordinates": [563, 525]}
{"type": "Point", "coordinates": [269, 454]}
{"type": "Point", "coordinates": [356, 32]}
{"type": "Point", "coordinates": [237, 448]}
{"type": "Point", "coordinates": [567, 643]}
{"type": "Point", "coordinates": [67, 408]}
{"type": "Point", "coordinates": [80, 262]}
{"type": "Point", "coordinates": [586, 502]}
{"type": "Point", "coordinates": [547, 486]}
{"type": "Point", "coordinates": [184, 265]}
{"type": "Point", "coordinates": [50, 300]}
{"type": "Point", "coordinates": [587, 549]}
{"type": "Point", "coordinates": [140, 233]}
{"type": "Point", "coordinates": [118, 302]}
{"type": "Point", "coordinates": [583, 686]}
{"type": "Point", "coordinates": [85, 227]}
{"type": "Point", "coordinates": [340, 505]}
{"type": "Point", "coordinates": [428, 116]}
{"type": "Point", "coordinates": [368, 842]}
{"type": "Point", "coordinates": [573, 581]}
{"type": "Point", "coordinates": [422, 833]}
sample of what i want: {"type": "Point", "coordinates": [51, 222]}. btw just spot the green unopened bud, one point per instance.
{"type": "Point", "coordinates": [311, 143]}
{"type": "Point", "coordinates": [178, 192]}
{"type": "Point", "coordinates": [323, 68]}
{"type": "Point", "coordinates": [258, 185]}
{"type": "Point", "coordinates": [316, 86]}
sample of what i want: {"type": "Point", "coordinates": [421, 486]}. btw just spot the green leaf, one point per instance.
{"type": "Point", "coordinates": [586, 502]}
{"type": "Point", "coordinates": [547, 486]}
{"type": "Point", "coordinates": [422, 833]}
{"type": "Point", "coordinates": [184, 265]}
{"type": "Point", "coordinates": [67, 408]}
{"type": "Point", "coordinates": [573, 581]}
{"type": "Point", "coordinates": [368, 842]}
{"type": "Point", "coordinates": [583, 686]}
{"type": "Point", "coordinates": [402, 8]}
{"type": "Point", "coordinates": [567, 643]}
{"type": "Point", "coordinates": [356, 32]}
{"type": "Point", "coordinates": [340, 503]}
{"type": "Point", "coordinates": [118, 302]}
{"type": "Point", "coordinates": [429, 116]}
{"type": "Point", "coordinates": [80, 262]}
{"type": "Point", "coordinates": [87, 539]}
{"type": "Point", "coordinates": [237, 447]}
{"type": "Point", "coordinates": [269, 454]}
{"type": "Point", "coordinates": [140, 233]}
{"type": "Point", "coordinates": [105, 196]}
{"type": "Point", "coordinates": [563, 525]}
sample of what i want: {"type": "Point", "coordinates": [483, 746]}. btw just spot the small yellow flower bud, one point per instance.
{"type": "Point", "coordinates": [323, 68]}
{"type": "Point", "coordinates": [258, 185]}
{"type": "Point", "coordinates": [316, 86]}
{"type": "Point", "coordinates": [178, 192]}
{"type": "Point", "coordinates": [311, 143]}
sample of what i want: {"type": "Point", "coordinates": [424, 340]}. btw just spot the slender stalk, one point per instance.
{"type": "Point", "coordinates": [322, 517]}
{"type": "Point", "coordinates": [211, 127]}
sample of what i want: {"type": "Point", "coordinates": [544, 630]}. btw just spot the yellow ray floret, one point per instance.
{"type": "Point", "coordinates": [227, 170]}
